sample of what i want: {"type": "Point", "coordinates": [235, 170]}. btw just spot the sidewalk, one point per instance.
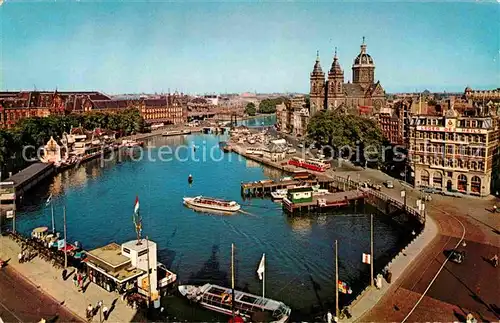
{"type": "Point", "coordinates": [49, 279]}
{"type": "Point", "coordinates": [367, 299]}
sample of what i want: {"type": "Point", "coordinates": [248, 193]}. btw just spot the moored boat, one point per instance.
{"type": "Point", "coordinates": [219, 299]}
{"type": "Point", "coordinates": [211, 203]}
{"type": "Point", "coordinates": [279, 194]}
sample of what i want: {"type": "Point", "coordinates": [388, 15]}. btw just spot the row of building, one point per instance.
{"type": "Point", "coordinates": [452, 141]}
{"type": "Point", "coordinates": [162, 109]}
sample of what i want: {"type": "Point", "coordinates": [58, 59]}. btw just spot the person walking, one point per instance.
{"type": "Point", "coordinates": [105, 312]}
{"type": "Point", "coordinates": [90, 312]}
{"type": "Point", "coordinates": [329, 317]}
{"type": "Point", "coordinates": [20, 257]}
{"type": "Point", "coordinates": [75, 280]}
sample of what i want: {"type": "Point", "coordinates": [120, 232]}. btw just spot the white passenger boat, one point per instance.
{"type": "Point", "coordinates": [219, 299]}
{"type": "Point", "coordinates": [279, 194]}
{"type": "Point", "coordinates": [211, 203]}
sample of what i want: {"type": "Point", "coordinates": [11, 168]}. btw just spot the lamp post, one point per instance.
{"type": "Point", "coordinates": [403, 195]}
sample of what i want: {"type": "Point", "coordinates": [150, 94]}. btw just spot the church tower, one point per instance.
{"type": "Point", "coordinates": [363, 69]}
{"type": "Point", "coordinates": [317, 91]}
{"type": "Point", "coordinates": [335, 94]}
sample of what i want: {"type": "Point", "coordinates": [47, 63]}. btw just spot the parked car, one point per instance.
{"type": "Point", "coordinates": [457, 256]}
{"type": "Point", "coordinates": [389, 184]}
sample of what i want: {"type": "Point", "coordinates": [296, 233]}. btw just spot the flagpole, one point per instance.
{"type": "Point", "coordinates": [232, 279]}
{"type": "Point", "coordinates": [53, 223]}
{"type": "Point", "coordinates": [264, 277]}
{"type": "Point", "coordinates": [371, 249]}
{"type": "Point", "coordinates": [336, 281]}
{"type": "Point", "coordinates": [65, 249]}
{"type": "Point", "coordinates": [149, 277]}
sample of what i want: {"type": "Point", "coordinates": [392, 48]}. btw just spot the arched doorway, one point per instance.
{"type": "Point", "coordinates": [462, 183]}
{"type": "Point", "coordinates": [449, 185]}
{"type": "Point", "coordinates": [475, 184]}
{"type": "Point", "coordinates": [424, 178]}
{"type": "Point", "coordinates": [437, 180]}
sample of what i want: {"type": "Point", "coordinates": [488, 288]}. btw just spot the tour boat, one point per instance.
{"type": "Point", "coordinates": [212, 203]}
{"type": "Point", "coordinates": [314, 165]}
{"type": "Point", "coordinates": [131, 143]}
{"type": "Point", "coordinates": [279, 194]}
{"type": "Point", "coordinates": [219, 299]}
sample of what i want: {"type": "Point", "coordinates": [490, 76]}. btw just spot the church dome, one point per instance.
{"type": "Point", "coordinates": [363, 57]}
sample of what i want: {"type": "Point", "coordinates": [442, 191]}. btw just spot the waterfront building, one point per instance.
{"type": "Point", "coordinates": [15, 106]}
{"type": "Point", "coordinates": [300, 194]}
{"type": "Point", "coordinates": [292, 116]}
{"type": "Point", "coordinates": [455, 147]}
{"type": "Point", "coordinates": [125, 268]}
{"type": "Point", "coordinates": [361, 96]}
{"type": "Point", "coordinates": [53, 152]}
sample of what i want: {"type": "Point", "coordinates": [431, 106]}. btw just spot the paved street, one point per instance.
{"type": "Point", "coordinates": [460, 288]}
{"type": "Point", "coordinates": [21, 301]}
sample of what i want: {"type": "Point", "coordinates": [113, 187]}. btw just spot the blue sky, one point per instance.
{"type": "Point", "coordinates": [201, 47]}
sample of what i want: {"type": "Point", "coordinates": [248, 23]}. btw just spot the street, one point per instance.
{"type": "Point", "coordinates": [459, 289]}
{"type": "Point", "coordinates": [20, 301]}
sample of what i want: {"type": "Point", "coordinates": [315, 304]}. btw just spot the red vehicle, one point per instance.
{"type": "Point", "coordinates": [308, 164]}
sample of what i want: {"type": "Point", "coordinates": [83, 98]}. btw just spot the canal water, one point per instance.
{"type": "Point", "coordinates": [99, 198]}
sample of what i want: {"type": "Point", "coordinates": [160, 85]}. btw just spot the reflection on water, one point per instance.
{"type": "Point", "coordinates": [99, 198]}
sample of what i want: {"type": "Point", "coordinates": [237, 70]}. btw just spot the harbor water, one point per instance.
{"type": "Point", "coordinates": [99, 197]}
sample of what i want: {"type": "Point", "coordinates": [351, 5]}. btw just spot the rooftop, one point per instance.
{"type": "Point", "coordinates": [110, 254]}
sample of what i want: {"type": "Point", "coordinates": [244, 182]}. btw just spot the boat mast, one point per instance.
{"type": "Point", "coordinates": [53, 222]}
{"type": "Point", "coordinates": [232, 279]}
{"type": "Point", "coordinates": [336, 281]}
{"type": "Point", "coordinates": [65, 246]}
{"type": "Point", "coordinates": [149, 270]}
{"type": "Point", "coordinates": [371, 249]}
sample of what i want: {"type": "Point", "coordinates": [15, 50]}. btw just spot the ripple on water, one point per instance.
{"type": "Point", "coordinates": [299, 250]}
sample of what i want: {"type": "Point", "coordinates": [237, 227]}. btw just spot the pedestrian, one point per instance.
{"type": "Point", "coordinates": [80, 282]}
{"type": "Point", "coordinates": [329, 317]}
{"type": "Point", "coordinates": [20, 257]}
{"type": "Point", "coordinates": [105, 312]}
{"type": "Point", "coordinates": [495, 208]}
{"type": "Point", "coordinates": [90, 312]}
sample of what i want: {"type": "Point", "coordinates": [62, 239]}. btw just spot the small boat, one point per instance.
{"type": "Point", "coordinates": [279, 194]}
{"type": "Point", "coordinates": [190, 178]}
{"type": "Point", "coordinates": [211, 203]}
{"type": "Point", "coordinates": [219, 299]}
{"type": "Point", "coordinates": [132, 143]}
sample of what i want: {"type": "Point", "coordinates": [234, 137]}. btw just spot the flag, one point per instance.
{"type": "Point", "coordinates": [344, 288]}
{"type": "Point", "coordinates": [367, 258]}
{"type": "Point", "coordinates": [262, 266]}
{"type": "Point", "coordinates": [136, 205]}
{"type": "Point", "coordinates": [49, 199]}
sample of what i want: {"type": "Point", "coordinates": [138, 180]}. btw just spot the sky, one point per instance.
{"type": "Point", "coordinates": [238, 46]}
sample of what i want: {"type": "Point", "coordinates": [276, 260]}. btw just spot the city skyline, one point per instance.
{"type": "Point", "coordinates": [239, 47]}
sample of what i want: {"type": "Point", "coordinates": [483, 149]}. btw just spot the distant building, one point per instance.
{"type": "Point", "coordinates": [293, 116]}
{"type": "Point", "coordinates": [362, 96]}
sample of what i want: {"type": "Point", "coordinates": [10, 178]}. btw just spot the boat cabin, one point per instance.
{"type": "Point", "coordinates": [300, 194]}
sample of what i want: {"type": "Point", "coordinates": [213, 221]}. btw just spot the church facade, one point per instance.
{"type": "Point", "coordinates": [361, 96]}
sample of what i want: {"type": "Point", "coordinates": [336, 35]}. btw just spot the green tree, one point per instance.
{"type": "Point", "coordinates": [250, 109]}
{"type": "Point", "coordinates": [340, 130]}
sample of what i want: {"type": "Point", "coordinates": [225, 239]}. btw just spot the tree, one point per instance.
{"type": "Point", "coordinates": [250, 109]}
{"type": "Point", "coordinates": [269, 105]}
{"type": "Point", "coordinates": [347, 133]}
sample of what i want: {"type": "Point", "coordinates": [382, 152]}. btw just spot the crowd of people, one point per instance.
{"type": "Point", "coordinates": [32, 247]}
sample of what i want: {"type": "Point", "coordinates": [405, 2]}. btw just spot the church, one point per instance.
{"type": "Point", "coordinates": [363, 96]}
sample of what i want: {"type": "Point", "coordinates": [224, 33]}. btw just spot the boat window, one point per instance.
{"type": "Point", "coordinates": [248, 299]}
{"type": "Point", "coordinates": [216, 291]}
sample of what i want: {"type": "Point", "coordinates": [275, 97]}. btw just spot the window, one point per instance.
{"type": "Point", "coordinates": [142, 253]}
{"type": "Point", "coordinates": [425, 177]}
{"type": "Point", "coordinates": [475, 184]}
{"type": "Point", "coordinates": [126, 250]}
{"type": "Point", "coordinates": [462, 182]}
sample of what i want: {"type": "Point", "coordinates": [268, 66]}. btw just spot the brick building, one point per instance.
{"type": "Point", "coordinates": [362, 96]}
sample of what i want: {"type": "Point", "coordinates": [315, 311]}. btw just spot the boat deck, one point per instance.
{"type": "Point", "coordinates": [337, 199]}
